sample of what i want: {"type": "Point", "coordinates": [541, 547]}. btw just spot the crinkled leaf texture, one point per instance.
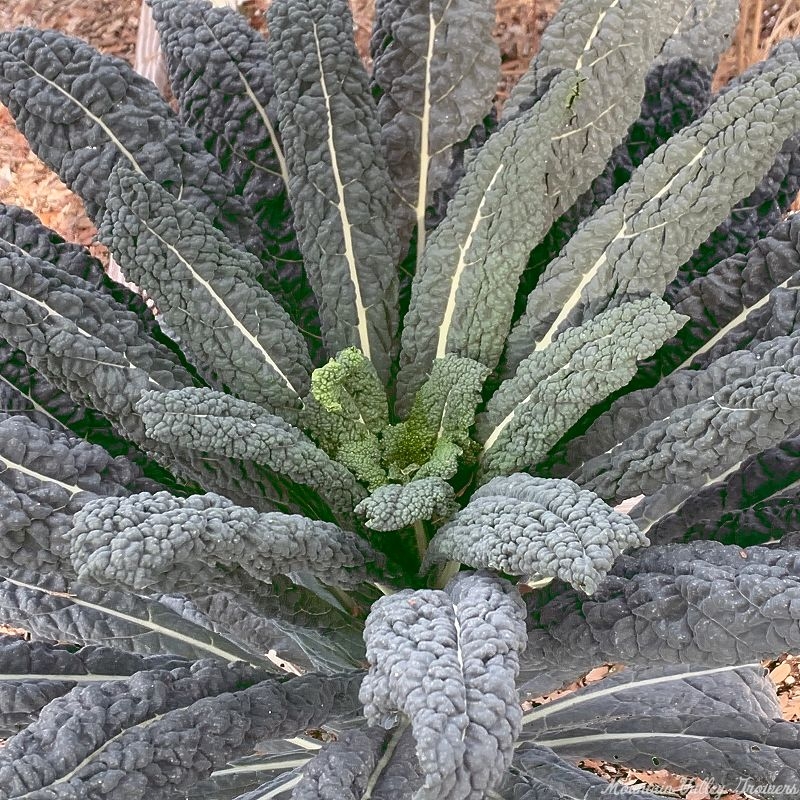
{"type": "Point", "coordinates": [51, 608]}
{"type": "Point", "coordinates": [160, 541]}
{"type": "Point", "coordinates": [48, 475]}
{"type": "Point", "coordinates": [371, 760]}
{"type": "Point", "coordinates": [535, 528]}
{"type": "Point", "coordinates": [540, 774]}
{"type": "Point", "coordinates": [161, 731]}
{"type": "Point", "coordinates": [340, 185]}
{"type": "Point", "coordinates": [32, 673]}
{"type": "Point", "coordinates": [213, 422]}
{"type": "Point", "coordinates": [590, 37]}
{"type": "Point", "coordinates": [722, 724]}
{"type": "Point", "coordinates": [220, 74]}
{"type": "Point", "coordinates": [83, 112]}
{"type": "Point", "coordinates": [713, 432]}
{"type": "Point", "coordinates": [397, 505]}
{"type": "Point", "coordinates": [554, 387]}
{"type": "Point", "coordinates": [435, 70]}
{"type": "Point", "coordinates": [463, 289]}
{"type": "Point", "coordinates": [635, 242]}
{"type": "Point", "coordinates": [448, 660]}
{"type": "Point", "coordinates": [235, 330]}
{"type": "Point", "coordinates": [701, 603]}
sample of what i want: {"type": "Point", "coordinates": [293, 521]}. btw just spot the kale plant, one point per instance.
{"type": "Point", "coordinates": [316, 521]}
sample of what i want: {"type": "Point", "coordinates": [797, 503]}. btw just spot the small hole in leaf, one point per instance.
{"type": "Point", "coordinates": [656, 761]}
{"type": "Point", "coordinates": [755, 748]}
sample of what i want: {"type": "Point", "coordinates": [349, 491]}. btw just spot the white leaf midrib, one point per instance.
{"type": "Point", "coordinates": [622, 233]}
{"type": "Point", "coordinates": [341, 207]}
{"type": "Point", "coordinates": [220, 303]}
{"type": "Point", "coordinates": [147, 624]}
{"type": "Point", "coordinates": [260, 110]}
{"type": "Point", "coordinates": [73, 489]}
{"type": "Point", "coordinates": [735, 322]}
{"type": "Point", "coordinates": [424, 148]}
{"type": "Point", "coordinates": [557, 706]}
{"type": "Point", "coordinates": [462, 264]}
{"type": "Point", "coordinates": [97, 120]}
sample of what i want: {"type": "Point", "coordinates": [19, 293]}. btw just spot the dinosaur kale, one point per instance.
{"type": "Point", "coordinates": [319, 524]}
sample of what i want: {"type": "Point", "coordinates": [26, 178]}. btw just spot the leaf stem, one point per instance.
{"type": "Point", "coordinates": [447, 572]}
{"type": "Point", "coordinates": [422, 539]}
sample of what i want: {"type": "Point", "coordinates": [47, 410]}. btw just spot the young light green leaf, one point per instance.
{"type": "Point", "coordinates": [346, 411]}
{"type": "Point", "coordinates": [435, 438]}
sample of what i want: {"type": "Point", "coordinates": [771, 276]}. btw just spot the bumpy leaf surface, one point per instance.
{"type": "Point", "coordinates": [45, 477]}
{"type": "Point", "coordinates": [213, 422]}
{"type": "Point", "coordinates": [448, 660]}
{"type": "Point", "coordinates": [701, 603]}
{"type": "Point", "coordinates": [539, 774]}
{"type": "Point", "coordinates": [754, 215]}
{"type": "Point", "coordinates": [435, 438]}
{"type": "Point", "coordinates": [635, 242]}
{"type": "Point", "coordinates": [95, 313]}
{"type": "Point", "coordinates": [704, 33]}
{"type": "Point", "coordinates": [634, 411]}
{"type": "Point", "coordinates": [51, 608]}
{"type": "Point", "coordinates": [70, 358]}
{"type": "Point", "coordinates": [733, 302]}
{"type": "Point", "coordinates": [395, 506]}
{"type": "Point", "coordinates": [611, 45]}
{"type": "Point", "coordinates": [161, 731]}
{"type": "Point", "coordinates": [282, 619]}
{"type": "Point", "coordinates": [158, 540]}
{"type": "Point", "coordinates": [537, 527]}
{"type": "Point", "coordinates": [345, 411]}
{"type": "Point", "coordinates": [554, 387]}
{"type": "Point", "coordinates": [752, 505]}
{"type": "Point", "coordinates": [82, 366]}
{"type": "Point", "coordinates": [83, 111]}
{"type": "Point", "coordinates": [340, 185]}
{"type": "Point", "coordinates": [23, 233]}
{"type": "Point", "coordinates": [237, 332]}
{"type": "Point", "coordinates": [702, 439]}
{"type": "Point", "coordinates": [361, 763]}
{"type": "Point", "coordinates": [724, 725]}
{"type": "Point", "coordinates": [463, 290]}
{"type": "Point", "coordinates": [676, 93]}
{"type": "Point", "coordinates": [435, 70]}
{"type": "Point", "coordinates": [220, 74]}
{"type": "Point", "coordinates": [34, 673]}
